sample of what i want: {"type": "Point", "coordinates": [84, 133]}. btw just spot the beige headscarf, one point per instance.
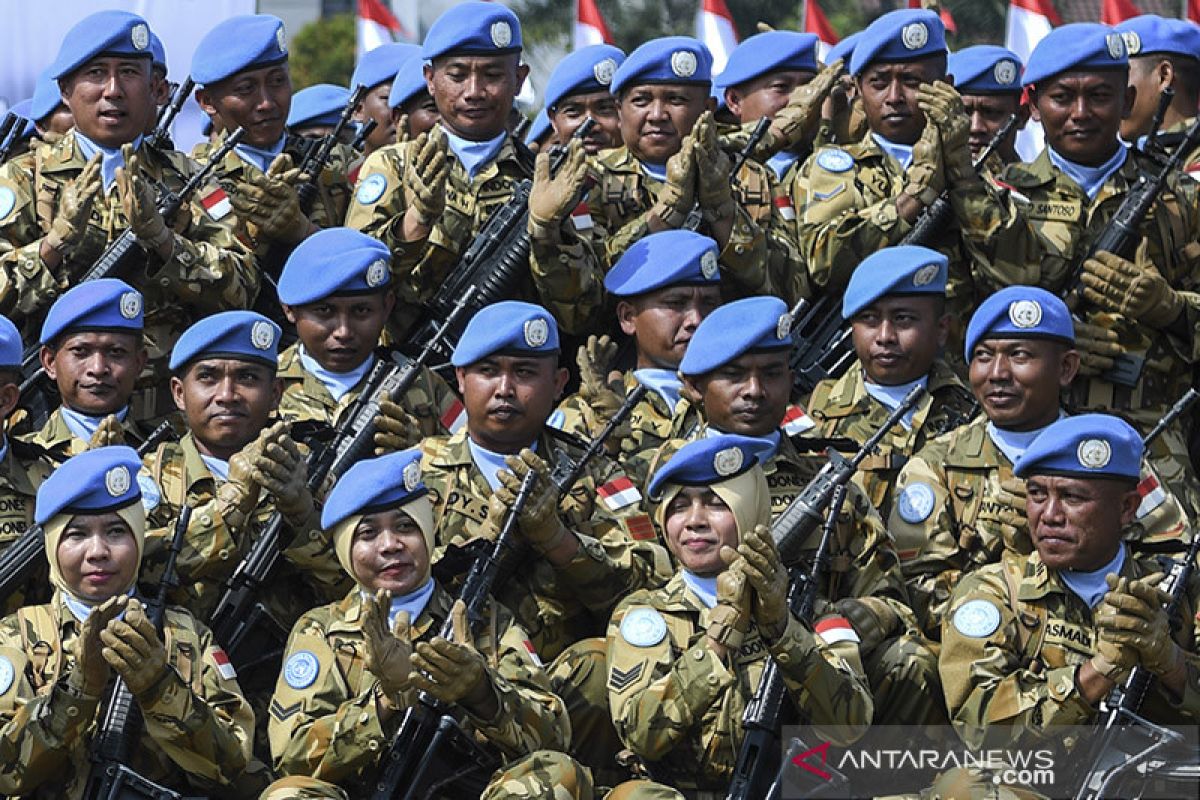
{"type": "Point", "coordinates": [134, 515]}
{"type": "Point", "coordinates": [421, 511]}
{"type": "Point", "coordinates": [746, 494]}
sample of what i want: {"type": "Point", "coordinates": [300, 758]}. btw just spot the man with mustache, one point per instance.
{"type": "Point", "coordinates": [578, 91]}
{"type": "Point", "coordinates": [377, 70]}
{"type": "Point", "coordinates": [989, 79]}
{"type": "Point", "coordinates": [896, 304]}
{"type": "Point", "coordinates": [956, 506]}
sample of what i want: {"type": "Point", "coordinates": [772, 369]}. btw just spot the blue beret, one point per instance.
{"type": "Point", "coordinates": [540, 127]}
{"type": "Point", "coordinates": [374, 484]}
{"type": "Point", "coordinates": [752, 323]}
{"type": "Point", "coordinates": [1077, 45]}
{"type": "Point", "coordinates": [667, 258]}
{"type": "Point", "coordinates": [158, 53]}
{"type": "Point", "coordinates": [334, 261]}
{"type": "Point", "coordinates": [772, 51]}
{"type": "Point", "coordinates": [12, 352]}
{"type": "Point", "coordinates": [473, 28]}
{"type": "Point", "coordinates": [905, 269]}
{"type": "Point", "coordinates": [242, 335]}
{"type": "Point", "coordinates": [1151, 33]}
{"type": "Point", "coordinates": [718, 94]}
{"type": "Point", "coordinates": [589, 69]}
{"type": "Point", "coordinates": [103, 33]}
{"type": "Point", "coordinates": [381, 64]}
{"type": "Point", "coordinates": [247, 41]}
{"type": "Point", "coordinates": [903, 35]}
{"type": "Point", "coordinates": [844, 49]}
{"type": "Point", "coordinates": [671, 59]}
{"type": "Point", "coordinates": [1020, 312]}
{"type": "Point", "coordinates": [93, 482]}
{"type": "Point", "coordinates": [46, 97]}
{"type": "Point", "coordinates": [320, 104]}
{"type": "Point", "coordinates": [1086, 446]}
{"type": "Point", "coordinates": [408, 82]}
{"type": "Point", "coordinates": [206, 127]}
{"type": "Point", "coordinates": [107, 304]}
{"type": "Point", "coordinates": [709, 460]}
{"type": "Point", "coordinates": [509, 325]}
{"type": "Point", "coordinates": [985, 69]}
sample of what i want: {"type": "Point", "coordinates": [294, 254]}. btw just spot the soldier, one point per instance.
{"type": "Point", "coordinates": [578, 90]}
{"type": "Point", "coordinates": [684, 659]}
{"type": "Point", "coordinates": [665, 285]}
{"type": "Point", "coordinates": [336, 290]}
{"type": "Point", "coordinates": [48, 111]}
{"type": "Point", "coordinates": [1162, 53]}
{"type": "Point", "coordinates": [541, 133]}
{"type": "Point", "coordinates": [989, 79]}
{"type": "Point", "coordinates": [354, 667]}
{"type": "Point", "coordinates": [56, 660]}
{"type": "Point", "coordinates": [160, 87]}
{"type": "Point", "coordinates": [413, 109]}
{"type": "Point", "coordinates": [377, 70]}
{"type": "Point", "coordinates": [427, 199]}
{"type": "Point", "coordinates": [957, 507]}
{"type": "Point", "coordinates": [897, 310]}
{"type": "Point", "coordinates": [1035, 642]}
{"type": "Point", "coordinates": [736, 376]}
{"type": "Point", "coordinates": [56, 219]}
{"type": "Point", "coordinates": [93, 351]}
{"type": "Point", "coordinates": [315, 111]}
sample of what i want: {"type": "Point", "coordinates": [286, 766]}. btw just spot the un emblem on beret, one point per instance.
{"type": "Point", "coordinates": [140, 36]}
{"type": "Point", "coordinates": [131, 305]}
{"type": "Point", "coordinates": [1005, 72]}
{"type": "Point", "coordinates": [783, 326]}
{"type": "Point", "coordinates": [1116, 45]}
{"type": "Point", "coordinates": [1025, 313]}
{"type": "Point", "coordinates": [501, 34]}
{"type": "Point", "coordinates": [925, 275]}
{"type": "Point", "coordinates": [683, 63]}
{"type": "Point", "coordinates": [116, 481]}
{"type": "Point", "coordinates": [412, 476]}
{"type": "Point", "coordinates": [914, 36]}
{"type": "Point", "coordinates": [537, 332]}
{"type": "Point", "coordinates": [708, 265]}
{"type": "Point", "coordinates": [604, 71]}
{"type": "Point", "coordinates": [1133, 42]}
{"type": "Point", "coordinates": [1094, 453]}
{"type": "Point", "coordinates": [281, 40]}
{"type": "Point", "coordinates": [377, 273]}
{"type": "Point", "coordinates": [728, 461]}
{"type": "Point", "coordinates": [262, 335]}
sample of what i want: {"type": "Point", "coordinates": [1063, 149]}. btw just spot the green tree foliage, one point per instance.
{"type": "Point", "coordinates": [323, 52]}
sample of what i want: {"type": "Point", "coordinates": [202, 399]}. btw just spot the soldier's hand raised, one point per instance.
{"type": "Point", "coordinates": [1098, 348]}
{"type": "Point", "coordinates": [133, 648]}
{"type": "Point", "coordinates": [713, 170]}
{"type": "Point", "coordinates": [238, 495]}
{"type": "Point", "coordinates": [270, 202]}
{"type": "Point", "coordinates": [453, 671]}
{"type": "Point", "coordinates": [1135, 289]}
{"type": "Point", "coordinates": [387, 652]}
{"type": "Point", "coordinates": [943, 107]}
{"type": "Point", "coordinates": [600, 394]}
{"type": "Point", "coordinates": [425, 177]}
{"type": "Point", "coordinates": [730, 617]}
{"type": "Point", "coordinates": [90, 674]}
{"type": "Point", "coordinates": [796, 123]}
{"type": "Point", "coordinates": [75, 208]}
{"type": "Point", "coordinates": [769, 579]}
{"type": "Point", "coordinates": [395, 429]}
{"type": "Point", "coordinates": [924, 178]}
{"type": "Point", "coordinates": [553, 198]}
{"type": "Point", "coordinates": [1133, 615]}
{"type": "Point", "coordinates": [279, 468]}
{"type": "Point", "coordinates": [109, 432]}
{"type": "Point", "coordinates": [539, 522]}
{"type": "Point", "coordinates": [678, 194]}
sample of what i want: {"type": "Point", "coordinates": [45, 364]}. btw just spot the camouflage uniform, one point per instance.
{"type": "Point", "coordinates": [1018, 682]}
{"type": "Point", "coordinates": [842, 409]}
{"type": "Point", "coordinates": [332, 730]}
{"type": "Point", "coordinates": [678, 706]}
{"type": "Point", "coordinates": [195, 737]}
{"type": "Point", "coordinates": [557, 607]}
{"type": "Point", "coordinates": [563, 276]}
{"type": "Point", "coordinates": [209, 271]}
{"type": "Point", "coordinates": [964, 470]}
{"type": "Point", "coordinates": [58, 440]}
{"type": "Point", "coordinates": [1171, 137]}
{"type": "Point", "coordinates": [431, 401]}
{"type": "Point", "coordinates": [22, 471]}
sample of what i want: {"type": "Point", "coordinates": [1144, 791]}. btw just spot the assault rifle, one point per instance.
{"type": "Point", "coordinates": [696, 215]}
{"type": "Point", "coordinates": [360, 138]}
{"type": "Point", "coordinates": [495, 262]}
{"type": "Point", "coordinates": [117, 737]}
{"type": "Point", "coordinates": [10, 134]}
{"type": "Point", "coordinates": [22, 556]}
{"type": "Point", "coordinates": [428, 729]}
{"type": "Point", "coordinates": [826, 350]}
{"type": "Point", "coordinates": [758, 760]}
{"type": "Point", "coordinates": [315, 161]}
{"type": "Point", "coordinates": [239, 613]}
{"type": "Point", "coordinates": [161, 136]}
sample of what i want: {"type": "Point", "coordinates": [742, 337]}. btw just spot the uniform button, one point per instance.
{"type": "Point", "coordinates": [363, 718]}
{"type": "Point", "coordinates": [783, 658]}
{"type": "Point", "coordinates": [713, 680]}
{"type": "Point", "coordinates": [205, 519]}
{"type": "Point", "coordinates": [314, 535]}
{"type": "Point", "coordinates": [164, 281]}
{"type": "Point", "coordinates": [223, 554]}
{"type": "Point", "coordinates": [699, 655]}
{"type": "Point", "coordinates": [372, 745]}
{"type": "Point", "coordinates": [564, 258]}
{"type": "Point", "coordinates": [72, 711]}
{"type": "Point", "coordinates": [739, 249]}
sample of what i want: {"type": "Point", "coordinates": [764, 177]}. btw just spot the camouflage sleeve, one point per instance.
{"type": "Point", "coordinates": [569, 278]}
{"type": "Point", "coordinates": [1003, 248]}
{"type": "Point", "coordinates": [434, 404]}
{"type": "Point", "coordinates": [876, 568]}
{"type": "Point", "coordinates": [210, 269]}
{"type": "Point", "coordinates": [333, 189]}
{"type": "Point", "coordinates": [377, 209]}
{"type": "Point", "coordinates": [311, 552]}
{"type": "Point", "coordinates": [744, 259]}
{"type": "Point", "coordinates": [211, 549]}
{"type": "Point", "coordinates": [788, 274]}
{"type": "Point", "coordinates": [26, 284]}
{"type": "Point", "coordinates": [207, 728]}
{"type": "Point", "coordinates": [994, 699]}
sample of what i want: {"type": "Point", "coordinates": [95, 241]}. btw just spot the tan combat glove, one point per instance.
{"type": "Point", "coordinates": [109, 432]}
{"type": "Point", "coordinates": [140, 204]}
{"type": "Point", "coordinates": [269, 201]}
{"type": "Point", "coordinates": [552, 199]}
{"type": "Point", "coordinates": [425, 178]}
{"type": "Point", "coordinates": [1098, 348]}
{"type": "Point", "coordinates": [238, 495]}
{"type": "Point", "coordinates": [729, 619]}
{"type": "Point", "coordinates": [539, 522]}
{"type": "Point", "coordinates": [943, 107]}
{"type": "Point", "coordinates": [759, 560]}
{"type": "Point", "coordinates": [924, 179]}
{"type": "Point", "coordinates": [1135, 289]}
{"type": "Point", "coordinates": [1006, 511]}
{"type": "Point", "coordinates": [677, 196]}
{"type": "Point", "coordinates": [714, 171]}
{"type": "Point", "coordinates": [75, 208]}
{"type": "Point", "coordinates": [1133, 615]}
{"type": "Point", "coordinates": [402, 129]}
{"type": "Point", "coordinates": [279, 469]}
{"type": "Point", "coordinates": [452, 670]}
{"type": "Point", "coordinates": [873, 620]}
{"type": "Point", "coordinates": [133, 648]}
{"type": "Point", "coordinates": [797, 122]}
{"type": "Point", "coordinates": [600, 388]}
{"type": "Point", "coordinates": [388, 653]}
{"type": "Point", "coordinates": [90, 675]}
{"type": "Point", "coordinates": [395, 429]}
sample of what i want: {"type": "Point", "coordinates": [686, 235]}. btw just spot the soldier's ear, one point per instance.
{"type": "Point", "coordinates": [626, 315]}
{"type": "Point", "coordinates": [10, 395]}
{"type": "Point", "coordinates": [1069, 368]}
{"type": "Point", "coordinates": [205, 101]}
{"type": "Point", "coordinates": [177, 392]}
{"type": "Point", "coordinates": [1130, 96]}
{"type": "Point", "coordinates": [691, 391]}
{"type": "Point", "coordinates": [276, 392]}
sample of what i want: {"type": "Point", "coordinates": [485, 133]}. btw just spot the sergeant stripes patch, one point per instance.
{"type": "Point", "coordinates": [618, 681]}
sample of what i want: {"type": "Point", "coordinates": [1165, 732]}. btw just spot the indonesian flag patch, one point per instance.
{"type": "Point", "coordinates": [786, 209]}
{"type": "Point", "coordinates": [836, 629]}
{"type": "Point", "coordinates": [582, 217]}
{"type": "Point", "coordinates": [1152, 495]}
{"type": "Point", "coordinates": [795, 421]}
{"type": "Point", "coordinates": [216, 203]}
{"type": "Point", "coordinates": [533, 656]}
{"type": "Point", "coordinates": [640, 528]}
{"type": "Point", "coordinates": [619, 493]}
{"type": "Point", "coordinates": [224, 667]}
{"type": "Point", "coordinates": [455, 417]}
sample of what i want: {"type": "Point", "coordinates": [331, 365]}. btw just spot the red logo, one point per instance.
{"type": "Point", "coordinates": [822, 751]}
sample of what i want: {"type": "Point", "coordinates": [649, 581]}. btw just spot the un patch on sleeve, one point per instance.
{"type": "Point", "coordinates": [151, 496]}
{"type": "Point", "coordinates": [977, 619]}
{"type": "Point", "coordinates": [915, 503]}
{"type": "Point", "coordinates": [371, 189]}
{"type": "Point", "coordinates": [301, 670]}
{"type": "Point", "coordinates": [834, 159]}
{"type": "Point", "coordinates": [7, 674]}
{"type": "Point", "coordinates": [643, 627]}
{"type": "Point", "coordinates": [8, 199]}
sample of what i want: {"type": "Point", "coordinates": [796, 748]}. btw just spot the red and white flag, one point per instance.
{"type": "Point", "coordinates": [376, 25]}
{"type": "Point", "coordinates": [816, 22]}
{"type": "Point", "coordinates": [454, 417]}
{"type": "Point", "coordinates": [224, 666]}
{"type": "Point", "coordinates": [796, 422]}
{"type": "Point", "coordinates": [836, 629]}
{"type": "Point", "coordinates": [590, 27]}
{"type": "Point", "coordinates": [1152, 495]}
{"type": "Point", "coordinates": [216, 203]}
{"type": "Point", "coordinates": [944, 13]}
{"type": "Point", "coordinates": [1114, 12]}
{"type": "Point", "coordinates": [619, 493]}
{"type": "Point", "coordinates": [714, 27]}
{"type": "Point", "coordinates": [1028, 22]}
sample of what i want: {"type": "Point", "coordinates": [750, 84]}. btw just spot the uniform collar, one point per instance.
{"type": "Point", "coordinates": [890, 397]}
{"type": "Point", "coordinates": [83, 426]}
{"type": "Point", "coordinates": [195, 469]}
{"type": "Point", "coordinates": [702, 589]}
{"type": "Point", "coordinates": [260, 157]}
{"type": "Point", "coordinates": [901, 153]}
{"type": "Point", "coordinates": [781, 162]}
{"type": "Point", "coordinates": [337, 384]}
{"type": "Point", "coordinates": [1013, 444]}
{"type": "Point", "coordinates": [1090, 179]}
{"type": "Point", "coordinates": [664, 383]}
{"type": "Point", "coordinates": [432, 616]}
{"type": "Point", "coordinates": [474, 156]}
{"type": "Point", "coordinates": [1090, 587]}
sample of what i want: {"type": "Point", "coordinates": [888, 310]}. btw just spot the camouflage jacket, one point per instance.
{"type": "Point", "coordinates": [430, 400]}
{"type": "Point", "coordinates": [325, 715]}
{"type": "Point", "coordinates": [943, 516]}
{"type": "Point", "coordinates": [197, 727]}
{"type": "Point", "coordinates": [22, 471]}
{"type": "Point", "coordinates": [1015, 682]}
{"type": "Point", "coordinates": [842, 409]}
{"type": "Point", "coordinates": [564, 275]}
{"type": "Point", "coordinates": [557, 606]}
{"type": "Point", "coordinates": [678, 706]}
{"type": "Point", "coordinates": [58, 440]}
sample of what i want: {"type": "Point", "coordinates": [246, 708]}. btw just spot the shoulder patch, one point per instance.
{"type": "Point", "coordinates": [8, 199]}
{"type": "Point", "coordinates": [371, 189]}
{"type": "Point", "coordinates": [151, 495]}
{"type": "Point", "coordinates": [301, 670]}
{"type": "Point", "coordinates": [557, 419]}
{"type": "Point", "coordinates": [915, 503]}
{"type": "Point", "coordinates": [643, 627]}
{"type": "Point", "coordinates": [7, 674]}
{"type": "Point", "coordinates": [835, 159]}
{"type": "Point", "coordinates": [977, 619]}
